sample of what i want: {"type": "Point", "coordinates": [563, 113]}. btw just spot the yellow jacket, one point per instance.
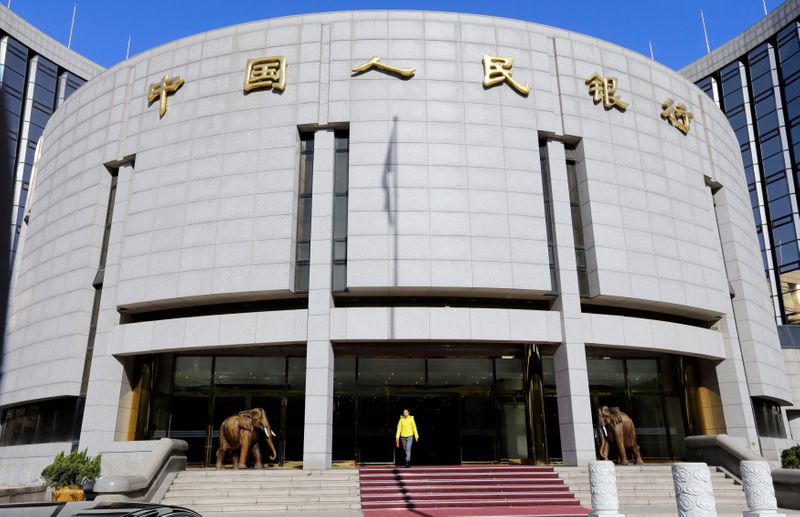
{"type": "Point", "coordinates": [406, 427]}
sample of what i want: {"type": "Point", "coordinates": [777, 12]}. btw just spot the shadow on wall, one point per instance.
{"type": "Point", "coordinates": [390, 169]}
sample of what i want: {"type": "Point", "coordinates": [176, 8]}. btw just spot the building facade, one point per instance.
{"type": "Point", "coordinates": [499, 225]}
{"type": "Point", "coordinates": [37, 74]}
{"type": "Point", "coordinates": [755, 80]}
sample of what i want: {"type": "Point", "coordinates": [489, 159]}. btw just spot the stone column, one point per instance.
{"type": "Point", "coordinates": [109, 395]}
{"type": "Point", "coordinates": [758, 489]}
{"type": "Point", "coordinates": [572, 381]}
{"type": "Point", "coordinates": [603, 487]}
{"type": "Point", "coordinates": [694, 493]}
{"type": "Point", "coordinates": [746, 331]}
{"type": "Point", "coordinates": [318, 427]}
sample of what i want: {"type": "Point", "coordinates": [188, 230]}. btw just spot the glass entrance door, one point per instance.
{"type": "Point", "coordinates": [467, 409]}
{"type": "Point", "coordinates": [193, 395]}
{"type": "Point", "coordinates": [646, 389]}
{"type": "Point", "coordinates": [187, 419]}
{"type": "Point", "coordinates": [376, 427]}
{"type": "Point", "coordinates": [437, 419]}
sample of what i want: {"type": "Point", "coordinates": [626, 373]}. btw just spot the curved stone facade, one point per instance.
{"type": "Point", "coordinates": [446, 200]}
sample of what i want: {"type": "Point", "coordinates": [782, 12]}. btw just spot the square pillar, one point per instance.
{"type": "Point", "coordinates": [318, 426]}
{"type": "Point", "coordinates": [572, 381]}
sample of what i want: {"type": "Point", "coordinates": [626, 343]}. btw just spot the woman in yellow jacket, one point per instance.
{"type": "Point", "coordinates": [406, 431]}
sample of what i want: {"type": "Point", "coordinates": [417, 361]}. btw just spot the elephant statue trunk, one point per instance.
{"type": "Point", "coordinates": [268, 433]}
{"type": "Point", "coordinates": [238, 433]}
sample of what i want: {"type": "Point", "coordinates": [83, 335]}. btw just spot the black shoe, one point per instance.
{"type": "Point", "coordinates": [408, 464]}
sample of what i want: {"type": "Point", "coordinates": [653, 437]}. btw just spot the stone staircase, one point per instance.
{"type": "Point", "coordinates": [466, 490]}
{"type": "Point", "coordinates": [647, 490]}
{"type": "Point", "coordinates": [210, 492]}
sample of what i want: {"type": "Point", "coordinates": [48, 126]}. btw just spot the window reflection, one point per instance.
{"type": "Point", "coordinates": [260, 371]}
{"type": "Point", "coordinates": [192, 372]}
{"type": "Point", "coordinates": [790, 289]}
{"type": "Point", "coordinates": [391, 371]}
{"type": "Point", "coordinates": [460, 371]}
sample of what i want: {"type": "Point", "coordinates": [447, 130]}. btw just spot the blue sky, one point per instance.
{"type": "Point", "coordinates": [102, 26]}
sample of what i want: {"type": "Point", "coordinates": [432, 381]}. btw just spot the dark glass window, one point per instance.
{"type": "Point", "coordinates": [246, 371]}
{"type": "Point", "coordinates": [792, 89]}
{"type": "Point", "coordinates": [577, 220]}
{"type": "Point", "coordinates": [341, 181]}
{"type": "Point", "coordinates": [67, 84]}
{"type": "Point", "coordinates": [778, 188]}
{"type": "Point", "coordinates": [548, 213]}
{"type": "Point", "coordinates": [192, 372]}
{"type": "Point", "coordinates": [14, 71]}
{"type": "Point", "coordinates": [39, 422]}
{"type": "Point", "coordinates": [459, 371]}
{"type": "Point", "coordinates": [306, 177]}
{"type": "Point", "coordinates": [774, 165]}
{"type": "Point", "coordinates": [768, 122]}
{"type": "Point", "coordinates": [787, 254]}
{"type": "Point", "coordinates": [784, 233]}
{"type": "Point", "coordinates": [770, 145]}
{"type": "Point", "coordinates": [792, 109]}
{"type": "Point", "coordinates": [780, 208]}
{"type": "Point", "coordinates": [769, 419]}
{"type": "Point", "coordinates": [707, 85]}
{"type": "Point", "coordinates": [762, 84]}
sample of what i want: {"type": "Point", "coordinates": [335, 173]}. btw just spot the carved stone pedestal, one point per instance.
{"type": "Point", "coordinates": [603, 487]}
{"type": "Point", "coordinates": [694, 493]}
{"type": "Point", "coordinates": [758, 489]}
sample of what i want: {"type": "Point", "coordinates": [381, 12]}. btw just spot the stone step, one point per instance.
{"type": "Point", "coordinates": [264, 498]}
{"type": "Point", "coordinates": [265, 490]}
{"type": "Point", "coordinates": [642, 488]}
{"type": "Point", "coordinates": [643, 476]}
{"type": "Point", "coordinates": [274, 474]}
{"type": "Point", "coordinates": [199, 494]}
{"type": "Point", "coordinates": [462, 488]}
{"type": "Point", "coordinates": [267, 473]}
{"type": "Point", "coordinates": [728, 489]}
{"type": "Point", "coordinates": [256, 509]}
{"type": "Point", "coordinates": [181, 482]}
{"type": "Point", "coordinates": [634, 475]}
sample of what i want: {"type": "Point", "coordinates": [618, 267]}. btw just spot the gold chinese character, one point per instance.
{"type": "Point", "coordinates": [375, 62]}
{"type": "Point", "coordinates": [676, 115]}
{"type": "Point", "coordinates": [497, 70]}
{"type": "Point", "coordinates": [160, 90]}
{"type": "Point", "coordinates": [265, 72]}
{"type": "Point", "coordinates": [604, 89]}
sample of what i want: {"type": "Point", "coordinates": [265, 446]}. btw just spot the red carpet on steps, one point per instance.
{"type": "Point", "coordinates": [466, 490]}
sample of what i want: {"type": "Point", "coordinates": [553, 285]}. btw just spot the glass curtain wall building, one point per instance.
{"type": "Point", "coordinates": [755, 80]}
{"type": "Point", "coordinates": [37, 75]}
{"type": "Point", "coordinates": [759, 91]}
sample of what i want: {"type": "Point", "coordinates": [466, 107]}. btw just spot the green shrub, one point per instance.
{"type": "Point", "coordinates": [790, 458]}
{"type": "Point", "coordinates": [72, 469]}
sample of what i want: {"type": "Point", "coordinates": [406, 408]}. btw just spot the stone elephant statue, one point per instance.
{"type": "Point", "coordinates": [616, 428]}
{"type": "Point", "coordinates": [238, 433]}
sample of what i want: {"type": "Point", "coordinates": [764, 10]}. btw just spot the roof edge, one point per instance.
{"type": "Point", "coordinates": [30, 36]}
{"type": "Point", "coordinates": [779, 18]}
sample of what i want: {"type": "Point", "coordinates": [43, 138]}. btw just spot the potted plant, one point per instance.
{"type": "Point", "coordinates": [69, 472]}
